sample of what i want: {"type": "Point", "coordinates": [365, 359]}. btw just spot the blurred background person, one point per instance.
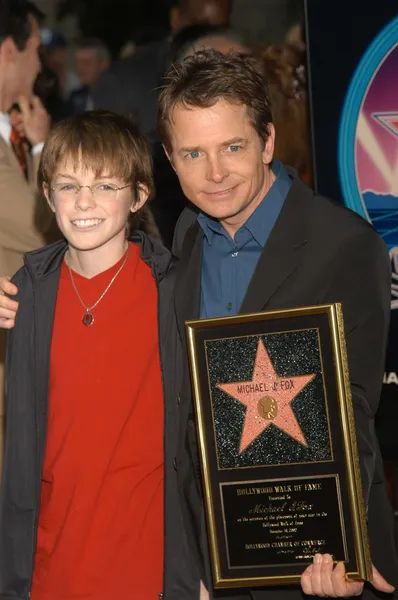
{"type": "Point", "coordinates": [24, 125]}
{"type": "Point", "coordinates": [130, 86]}
{"type": "Point", "coordinates": [47, 88]}
{"type": "Point", "coordinates": [55, 52]}
{"type": "Point", "coordinates": [91, 59]}
{"type": "Point", "coordinates": [285, 70]}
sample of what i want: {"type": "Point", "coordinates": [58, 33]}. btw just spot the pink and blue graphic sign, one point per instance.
{"type": "Point", "coordinates": [368, 138]}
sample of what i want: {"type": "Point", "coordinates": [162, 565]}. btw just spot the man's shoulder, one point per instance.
{"type": "Point", "coordinates": [342, 227]}
{"type": "Point", "coordinates": [45, 260]}
{"type": "Point", "coordinates": [340, 215]}
{"type": "Point", "coordinates": [329, 218]}
{"type": "Point", "coordinates": [334, 230]}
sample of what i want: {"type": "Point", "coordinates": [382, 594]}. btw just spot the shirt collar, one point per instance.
{"type": "Point", "coordinates": [5, 127]}
{"type": "Point", "coordinates": [262, 220]}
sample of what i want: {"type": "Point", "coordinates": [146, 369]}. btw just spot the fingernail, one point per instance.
{"type": "Point", "coordinates": [317, 559]}
{"type": "Point", "coordinates": [326, 559]}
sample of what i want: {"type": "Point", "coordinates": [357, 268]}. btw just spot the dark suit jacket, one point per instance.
{"type": "Point", "coordinates": [130, 86]}
{"type": "Point", "coordinates": [318, 252]}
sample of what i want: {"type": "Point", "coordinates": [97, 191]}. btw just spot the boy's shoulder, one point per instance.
{"type": "Point", "coordinates": [43, 261]}
{"type": "Point", "coordinates": [45, 251]}
{"type": "Point", "coordinates": [38, 263]}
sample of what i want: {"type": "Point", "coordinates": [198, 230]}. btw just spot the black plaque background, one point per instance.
{"type": "Point", "coordinates": [337, 466]}
{"type": "Point", "coordinates": [239, 532]}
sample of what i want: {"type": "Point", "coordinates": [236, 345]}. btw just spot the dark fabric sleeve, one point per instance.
{"type": "Point", "coordinates": [361, 281]}
{"type": "Point", "coordinates": [18, 496]}
{"type": "Point", "coordinates": [18, 280]}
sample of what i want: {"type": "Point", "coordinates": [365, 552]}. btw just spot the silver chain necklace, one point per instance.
{"type": "Point", "coordinates": [88, 317]}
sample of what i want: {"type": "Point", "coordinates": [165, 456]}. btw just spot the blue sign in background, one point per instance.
{"type": "Point", "coordinates": [347, 42]}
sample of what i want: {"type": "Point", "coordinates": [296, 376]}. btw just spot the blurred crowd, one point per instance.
{"type": "Point", "coordinates": [80, 75]}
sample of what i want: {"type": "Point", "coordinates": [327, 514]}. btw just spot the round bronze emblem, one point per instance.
{"type": "Point", "coordinates": [267, 408]}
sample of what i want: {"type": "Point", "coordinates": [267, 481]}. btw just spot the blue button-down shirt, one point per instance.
{"type": "Point", "coordinates": [227, 264]}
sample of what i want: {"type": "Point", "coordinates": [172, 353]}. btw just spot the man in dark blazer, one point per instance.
{"type": "Point", "coordinates": [257, 238]}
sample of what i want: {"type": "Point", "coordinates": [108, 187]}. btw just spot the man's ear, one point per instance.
{"type": "Point", "coordinates": [269, 146]}
{"type": "Point", "coordinates": [8, 50]}
{"type": "Point", "coordinates": [169, 156]}
{"type": "Point", "coordinates": [47, 195]}
{"type": "Point", "coordinates": [143, 194]}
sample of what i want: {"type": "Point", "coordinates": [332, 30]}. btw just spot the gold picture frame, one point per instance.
{"type": "Point", "coordinates": [293, 362]}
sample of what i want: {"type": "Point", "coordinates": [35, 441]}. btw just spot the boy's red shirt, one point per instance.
{"type": "Point", "coordinates": [100, 532]}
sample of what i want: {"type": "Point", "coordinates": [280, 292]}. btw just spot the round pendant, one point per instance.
{"type": "Point", "coordinates": [88, 318]}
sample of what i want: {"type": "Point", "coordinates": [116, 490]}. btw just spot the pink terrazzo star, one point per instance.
{"type": "Point", "coordinates": [267, 398]}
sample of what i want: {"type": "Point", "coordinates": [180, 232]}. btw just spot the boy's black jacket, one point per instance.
{"type": "Point", "coordinates": [27, 376]}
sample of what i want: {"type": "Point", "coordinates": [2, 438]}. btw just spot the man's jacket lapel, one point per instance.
{"type": "Point", "coordinates": [281, 254]}
{"type": "Point", "coordinates": [188, 281]}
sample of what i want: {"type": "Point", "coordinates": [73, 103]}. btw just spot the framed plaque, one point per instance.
{"type": "Point", "coordinates": [277, 445]}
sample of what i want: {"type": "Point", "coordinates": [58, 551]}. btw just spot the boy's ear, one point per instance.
{"type": "Point", "coordinates": [47, 194]}
{"type": "Point", "coordinates": [143, 194]}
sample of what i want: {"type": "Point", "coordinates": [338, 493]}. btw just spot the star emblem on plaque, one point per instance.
{"type": "Point", "coordinates": [267, 398]}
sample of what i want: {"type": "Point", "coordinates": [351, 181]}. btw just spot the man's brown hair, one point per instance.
{"type": "Point", "coordinates": [200, 80]}
{"type": "Point", "coordinates": [105, 143]}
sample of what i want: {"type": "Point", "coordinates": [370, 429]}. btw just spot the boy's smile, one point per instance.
{"type": "Point", "coordinates": [87, 224]}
